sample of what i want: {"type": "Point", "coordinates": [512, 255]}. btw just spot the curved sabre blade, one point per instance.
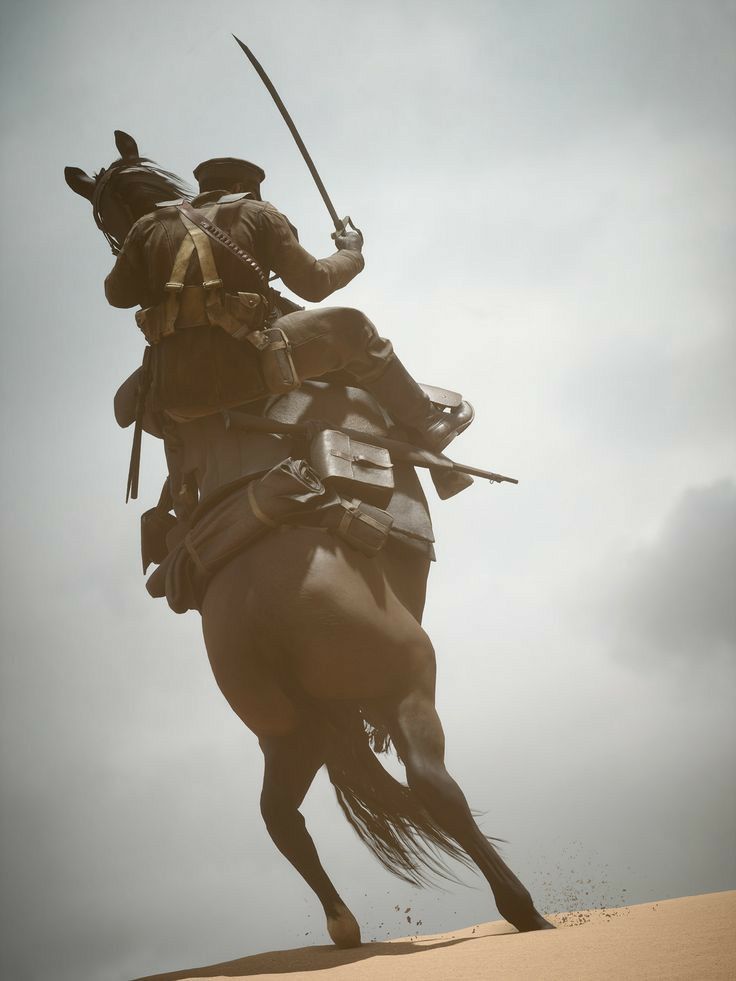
{"type": "Point", "coordinates": [294, 132]}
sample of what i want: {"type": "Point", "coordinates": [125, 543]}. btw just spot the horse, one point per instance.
{"type": "Point", "coordinates": [319, 649]}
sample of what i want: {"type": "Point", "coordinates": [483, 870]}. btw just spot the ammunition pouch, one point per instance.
{"type": "Point", "coordinates": [276, 362]}
{"type": "Point", "coordinates": [202, 306]}
{"type": "Point", "coordinates": [241, 315]}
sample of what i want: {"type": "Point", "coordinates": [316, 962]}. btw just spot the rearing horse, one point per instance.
{"type": "Point", "coordinates": [319, 649]}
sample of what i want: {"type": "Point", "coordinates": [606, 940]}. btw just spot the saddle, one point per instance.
{"type": "Point", "coordinates": [124, 402]}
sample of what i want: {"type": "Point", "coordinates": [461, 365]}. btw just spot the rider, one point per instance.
{"type": "Point", "coordinates": [156, 269]}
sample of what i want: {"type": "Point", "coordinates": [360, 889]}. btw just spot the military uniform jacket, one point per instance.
{"type": "Point", "coordinates": [144, 264]}
{"type": "Point", "coordinates": [202, 362]}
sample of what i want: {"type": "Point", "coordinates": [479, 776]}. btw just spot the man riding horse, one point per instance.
{"type": "Point", "coordinates": [201, 304]}
{"type": "Point", "coordinates": [315, 641]}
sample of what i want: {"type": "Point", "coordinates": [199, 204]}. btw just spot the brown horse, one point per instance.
{"type": "Point", "coordinates": [320, 651]}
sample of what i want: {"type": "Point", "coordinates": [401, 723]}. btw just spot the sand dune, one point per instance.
{"type": "Point", "coordinates": [689, 939]}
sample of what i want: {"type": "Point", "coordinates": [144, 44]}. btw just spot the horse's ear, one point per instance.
{"type": "Point", "coordinates": [80, 182]}
{"type": "Point", "coordinates": [127, 147]}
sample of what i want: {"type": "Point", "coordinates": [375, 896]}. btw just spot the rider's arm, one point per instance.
{"type": "Point", "coordinates": [311, 279]}
{"type": "Point", "coordinates": [126, 283]}
{"type": "Point", "coordinates": [120, 285]}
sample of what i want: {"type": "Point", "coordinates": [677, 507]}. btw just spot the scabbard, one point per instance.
{"type": "Point", "coordinates": [144, 384]}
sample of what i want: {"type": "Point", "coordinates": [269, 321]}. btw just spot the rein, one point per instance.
{"type": "Point", "coordinates": [103, 182]}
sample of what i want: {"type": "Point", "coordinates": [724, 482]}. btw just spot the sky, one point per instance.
{"type": "Point", "coordinates": [547, 192]}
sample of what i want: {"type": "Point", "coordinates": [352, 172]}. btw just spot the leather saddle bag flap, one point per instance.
{"type": "Point", "coordinates": [352, 468]}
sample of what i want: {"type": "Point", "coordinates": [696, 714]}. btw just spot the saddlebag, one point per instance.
{"type": "Point", "coordinates": [354, 469]}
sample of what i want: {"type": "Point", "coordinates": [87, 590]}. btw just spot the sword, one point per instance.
{"type": "Point", "coordinates": [340, 223]}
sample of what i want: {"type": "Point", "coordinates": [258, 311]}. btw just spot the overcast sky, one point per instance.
{"type": "Point", "coordinates": [547, 193]}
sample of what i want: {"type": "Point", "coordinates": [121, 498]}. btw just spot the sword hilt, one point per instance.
{"type": "Point", "coordinates": [342, 226]}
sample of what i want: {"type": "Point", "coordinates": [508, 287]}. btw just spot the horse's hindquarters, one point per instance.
{"type": "Point", "coordinates": [301, 606]}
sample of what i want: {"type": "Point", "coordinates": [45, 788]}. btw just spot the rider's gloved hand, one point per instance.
{"type": "Point", "coordinates": [349, 238]}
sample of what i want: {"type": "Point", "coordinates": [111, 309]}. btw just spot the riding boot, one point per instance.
{"type": "Point", "coordinates": [409, 405]}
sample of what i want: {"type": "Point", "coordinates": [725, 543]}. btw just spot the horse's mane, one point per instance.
{"type": "Point", "coordinates": [134, 179]}
{"type": "Point", "coordinates": [145, 176]}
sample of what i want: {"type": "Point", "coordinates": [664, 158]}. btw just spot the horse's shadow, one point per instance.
{"type": "Point", "coordinates": [302, 959]}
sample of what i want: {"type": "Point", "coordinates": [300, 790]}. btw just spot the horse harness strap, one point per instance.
{"type": "Point", "coordinates": [257, 510]}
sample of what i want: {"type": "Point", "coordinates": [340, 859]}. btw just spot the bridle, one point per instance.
{"type": "Point", "coordinates": [103, 181]}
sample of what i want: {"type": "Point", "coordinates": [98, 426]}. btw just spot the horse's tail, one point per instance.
{"type": "Point", "coordinates": [386, 815]}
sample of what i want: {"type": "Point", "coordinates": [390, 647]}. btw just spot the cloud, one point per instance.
{"type": "Point", "coordinates": [652, 396]}
{"type": "Point", "coordinates": [672, 599]}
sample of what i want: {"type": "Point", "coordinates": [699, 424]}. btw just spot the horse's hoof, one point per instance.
{"type": "Point", "coordinates": [343, 928]}
{"type": "Point", "coordinates": [521, 913]}
{"type": "Point", "coordinates": [534, 922]}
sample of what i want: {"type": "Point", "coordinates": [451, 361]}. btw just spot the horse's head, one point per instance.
{"type": "Point", "coordinates": [125, 191]}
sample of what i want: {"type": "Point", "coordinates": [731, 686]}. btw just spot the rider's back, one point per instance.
{"type": "Point", "coordinates": [144, 265]}
{"type": "Point", "coordinates": [199, 365]}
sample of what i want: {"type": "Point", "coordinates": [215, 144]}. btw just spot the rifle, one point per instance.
{"type": "Point", "coordinates": [401, 451]}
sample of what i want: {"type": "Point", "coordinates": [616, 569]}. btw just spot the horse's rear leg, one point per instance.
{"type": "Point", "coordinates": [291, 762]}
{"type": "Point", "coordinates": [417, 733]}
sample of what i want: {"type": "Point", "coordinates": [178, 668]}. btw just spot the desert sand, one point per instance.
{"type": "Point", "coordinates": [688, 939]}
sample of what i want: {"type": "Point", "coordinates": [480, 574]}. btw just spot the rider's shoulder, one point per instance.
{"type": "Point", "coordinates": [273, 212]}
{"type": "Point", "coordinates": [144, 225]}
{"type": "Point", "coordinates": [164, 212]}
{"type": "Point", "coordinates": [164, 208]}
{"type": "Point", "coordinates": [224, 197]}
{"type": "Point", "coordinates": [271, 209]}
